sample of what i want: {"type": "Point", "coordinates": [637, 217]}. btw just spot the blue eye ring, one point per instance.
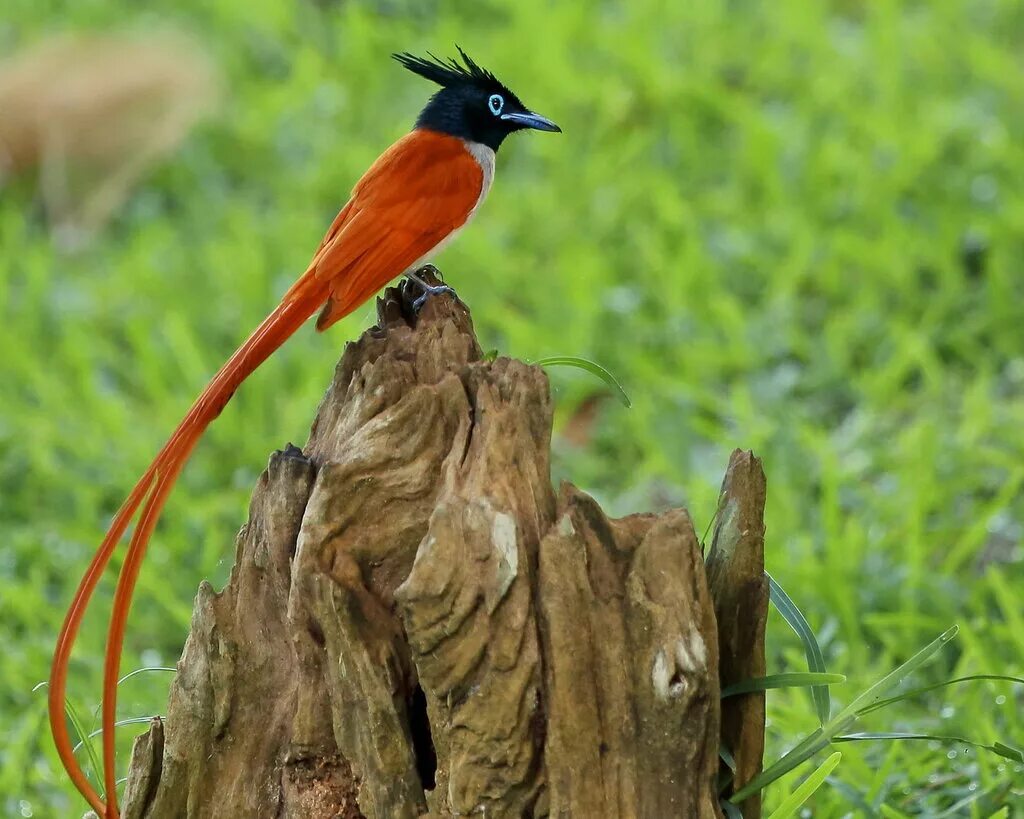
{"type": "Point", "coordinates": [495, 103]}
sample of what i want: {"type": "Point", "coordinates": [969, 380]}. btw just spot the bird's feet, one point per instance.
{"type": "Point", "coordinates": [428, 289]}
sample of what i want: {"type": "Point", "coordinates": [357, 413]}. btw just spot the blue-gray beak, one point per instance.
{"type": "Point", "coordinates": [532, 120]}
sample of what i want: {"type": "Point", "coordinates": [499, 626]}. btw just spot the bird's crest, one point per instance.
{"type": "Point", "coordinates": [448, 72]}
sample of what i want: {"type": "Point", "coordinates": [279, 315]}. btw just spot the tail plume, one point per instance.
{"type": "Point", "coordinates": [151, 494]}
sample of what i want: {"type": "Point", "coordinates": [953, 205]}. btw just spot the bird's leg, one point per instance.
{"type": "Point", "coordinates": [428, 289]}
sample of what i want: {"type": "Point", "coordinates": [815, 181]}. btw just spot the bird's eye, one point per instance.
{"type": "Point", "coordinates": [496, 103]}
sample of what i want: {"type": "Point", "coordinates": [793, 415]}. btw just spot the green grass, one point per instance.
{"type": "Point", "coordinates": [794, 227]}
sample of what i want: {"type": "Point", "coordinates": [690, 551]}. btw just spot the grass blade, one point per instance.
{"type": "Point", "coordinates": [1008, 751]}
{"type": "Point", "coordinates": [84, 739]}
{"type": "Point", "coordinates": [591, 367]}
{"type": "Point", "coordinates": [874, 694]}
{"type": "Point", "coordinates": [821, 737]}
{"type": "Point", "coordinates": [129, 675]}
{"type": "Point", "coordinates": [957, 808]}
{"type": "Point", "coordinates": [854, 798]}
{"type": "Point", "coordinates": [998, 748]}
{"type": "Point", "coordinates": [797, 755]}
{"type": "Point", "coordinates": [730, 810]}
{"type": "Point", "coordinates": [815, 661]}
{"type": "Point", "coordinates": [726, 774]}
{"type": "Point", "coordinates": [792, 803]}
{"type": "Point", "coordinates": [146, 669]}
{"type": "Point", "coordinates": [791, 679]}
{"type": "Point", "coordinates": [915, 692]}
{"type": "Point", "coordinates": [118, 724]}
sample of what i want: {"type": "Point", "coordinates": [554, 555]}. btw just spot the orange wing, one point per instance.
{"type": "Point", "coordinates": [421, 189]}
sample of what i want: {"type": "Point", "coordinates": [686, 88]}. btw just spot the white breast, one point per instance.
{"type": "Point", "coordinates": [485, 156]}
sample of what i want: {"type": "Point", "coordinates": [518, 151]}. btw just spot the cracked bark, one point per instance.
{"type": "Point", "coordinates": [418, 624]}
{"type": "Point", "coordinates": [739, 588]}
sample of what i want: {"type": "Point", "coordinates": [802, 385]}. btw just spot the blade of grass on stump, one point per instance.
{"type": "Point", "coordinates": [144, 670]}
{"type": "Point", "coordinates": [118, 724]}
{"type": "Point", "coordinates": [791, 679]}
{"type": "Point", "coordinates": [591, 367]}
{"type": "Point", "coordinates": [791, 804]}
{"type": "Point", "coordinates": [815, 661]}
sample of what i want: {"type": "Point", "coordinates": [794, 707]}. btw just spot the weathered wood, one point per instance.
{"type": "Point", "coordinates": [632, 681]}
{"type": "Point", "coordinates": [735, 568]}
{"type": "Point", "coordinates": [416, 624]}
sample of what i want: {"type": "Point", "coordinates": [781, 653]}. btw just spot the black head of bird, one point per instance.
{"type": "Point", "coordinates": [472, 104]}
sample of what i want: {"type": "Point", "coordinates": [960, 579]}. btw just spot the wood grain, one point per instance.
{"type": "Point", "coordinates": [418, 625]}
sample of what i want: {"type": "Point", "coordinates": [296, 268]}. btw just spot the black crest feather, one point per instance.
{"type": "Point", "coordinates": [447, 73]}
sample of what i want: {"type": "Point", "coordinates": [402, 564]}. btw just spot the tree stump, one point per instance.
{"type": "Point", "coordinates": [418, 624]}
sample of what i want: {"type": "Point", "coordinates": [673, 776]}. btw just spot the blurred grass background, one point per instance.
{"type": "Point", "coordinates": [794, 227]}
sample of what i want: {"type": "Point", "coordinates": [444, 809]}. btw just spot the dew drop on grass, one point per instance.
{"type": "Point", "coordinates": [1001, 699]}
{"type": "Point", "coordinates": [947, 711]}
{"type": "Point", "coordinates": [951, 755]}
{"type": "Point", "coordinates": [25, 807]}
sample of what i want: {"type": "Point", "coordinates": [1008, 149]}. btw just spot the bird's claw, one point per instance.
{"type": "Point", "coordinates": [433, 271]}
{"type": "Point", "coordinates": [428, 289]}
{"type": "Point", "coordinates": [434, 290]}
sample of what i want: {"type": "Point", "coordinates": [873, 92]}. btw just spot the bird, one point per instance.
{"type": "Point", "coordinates": [411, 202]}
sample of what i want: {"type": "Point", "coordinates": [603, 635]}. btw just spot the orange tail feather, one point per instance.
{"type": "Point", "coordinates": [68, 633]}
{"type": "Point", "coordinates": [155, 485]}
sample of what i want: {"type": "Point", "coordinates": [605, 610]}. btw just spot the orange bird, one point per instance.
{"type": "Point", "coordinates": [413, 199]}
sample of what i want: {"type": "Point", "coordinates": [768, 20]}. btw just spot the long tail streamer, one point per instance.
{"type": "Point", "coordinates": [151, 494]}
